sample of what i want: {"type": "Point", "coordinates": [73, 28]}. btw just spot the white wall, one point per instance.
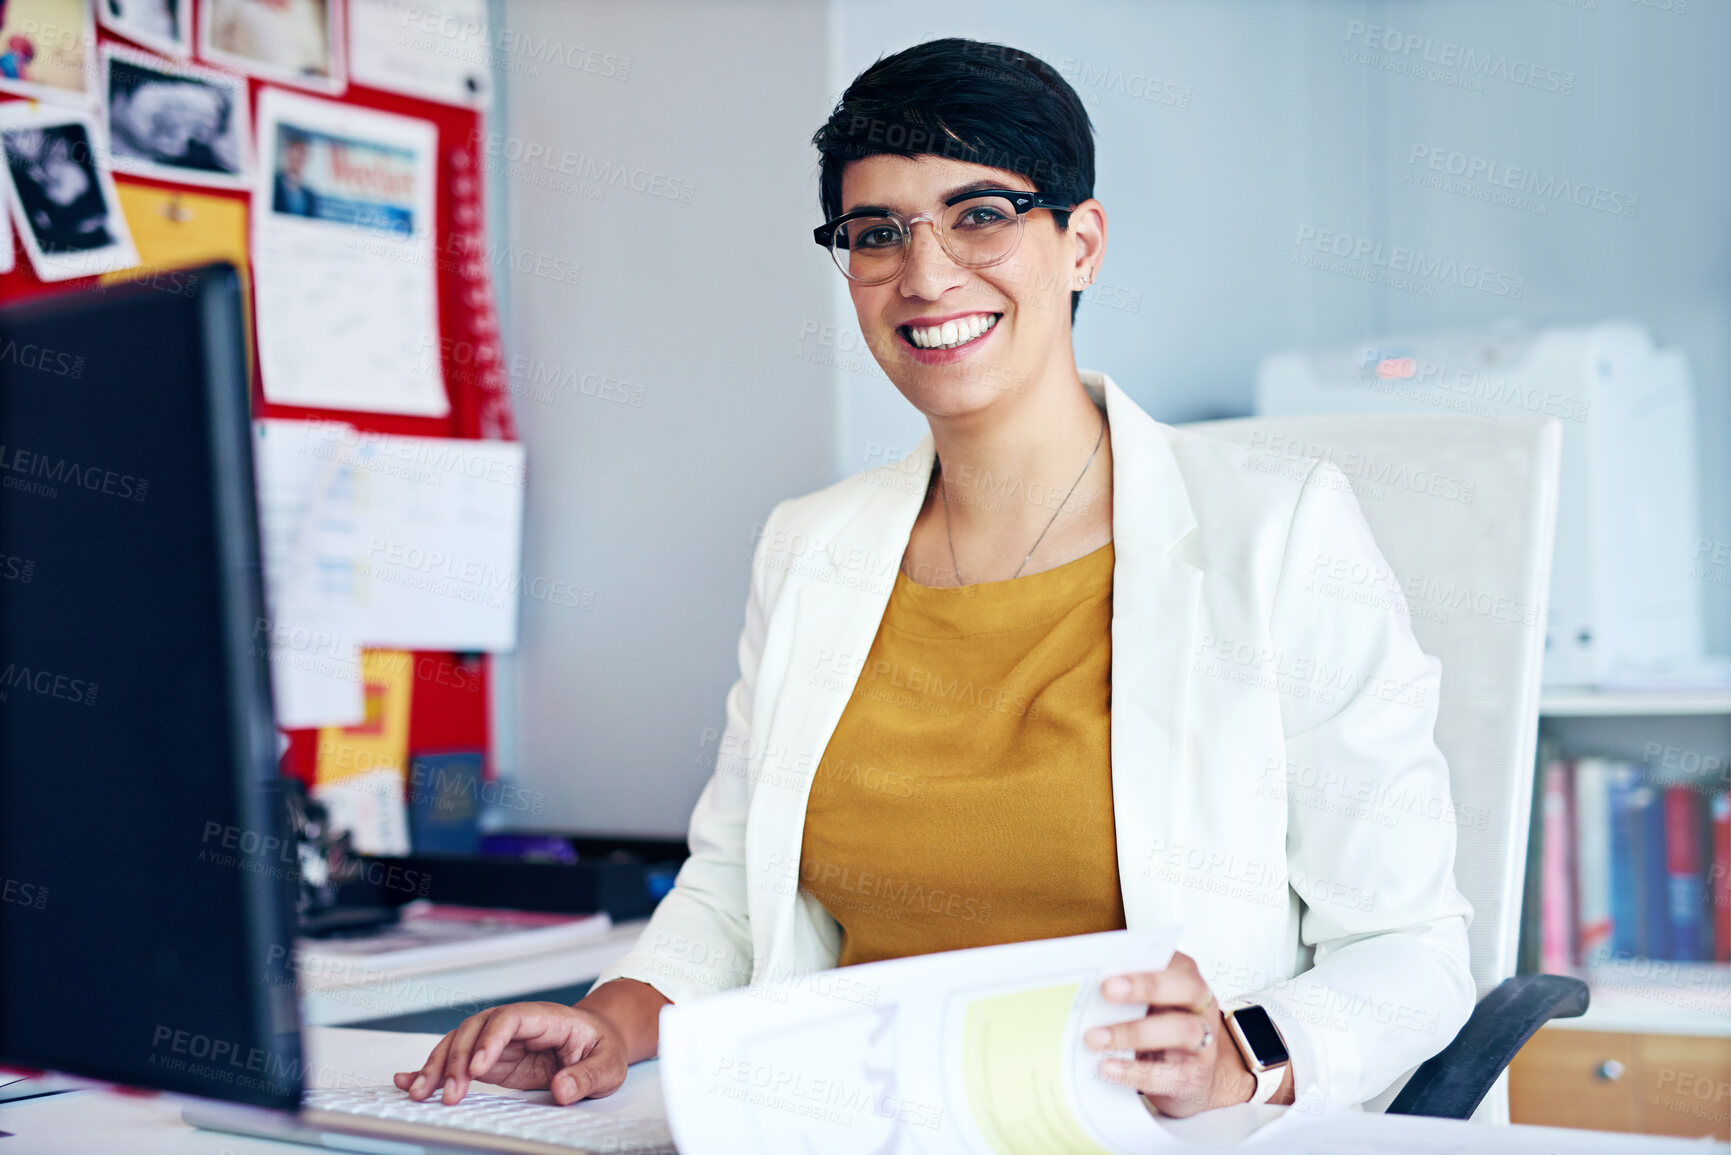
{"type": "Point", "coordinates": [1279, 130]}
{"type": "Point", "coordinates": [1260, 127]}
{"type": "Point", "coordinates": [646, 508]}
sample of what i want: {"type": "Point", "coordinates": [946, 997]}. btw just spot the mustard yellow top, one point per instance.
{"type": "Point", "coordinates": [965, 797]}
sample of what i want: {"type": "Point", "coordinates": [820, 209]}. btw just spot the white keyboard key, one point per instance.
{"type": "Point", "coordinates": [504, 1116]}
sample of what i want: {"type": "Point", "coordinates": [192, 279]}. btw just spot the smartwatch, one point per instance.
{"type": "Point", "coordinates": [1259, 1041]}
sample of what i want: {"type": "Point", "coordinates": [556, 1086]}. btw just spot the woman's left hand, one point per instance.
{"type": "Point", "coordinates": [1184, 1061]}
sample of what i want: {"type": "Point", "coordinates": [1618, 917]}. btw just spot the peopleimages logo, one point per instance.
{"type": "Point", "coordinates": [33, 356]}
{"type": "Point", "coordinates": [1484, 178]}
{"type": "Point", "coordinates": [1409, 52]}
{"type": "Point", "coordinates": [46, 683]}
{"type": "Point", "coordinates": [1398, 265]}
{"type": "Point", "coordinates": [385, 453]}
{"type": "Point", "coordinates": [33, 472]}
{"type": "Point", "coordinates": [583, 168]}
{"type": "Point", "coordinates": [1398, 373]}
{"type": "Point", "coordinates": [1137, 85]}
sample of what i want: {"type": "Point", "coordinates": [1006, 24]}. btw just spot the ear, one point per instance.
{"type": "Point", "coordinates": [1087, 235]}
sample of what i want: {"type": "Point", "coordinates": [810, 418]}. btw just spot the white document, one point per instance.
{"type": "Point", "coordinates": [975, 1051]}
{"type": "Point", "coordinates": [410, 542]}
{"type": "Point", "coordinates": [315, 664]}
{"type": "Point", "coordinates": [434, 51]}
{"type": "Point", "coordinates": [343, 257]}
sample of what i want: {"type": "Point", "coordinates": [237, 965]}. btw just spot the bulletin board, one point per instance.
{"type": "Point", "coordinates": [177, 224]}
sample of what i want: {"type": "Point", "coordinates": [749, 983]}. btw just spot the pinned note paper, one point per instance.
{"type": "Point", "coordinates": [410, 542]}
{"type": "Point", "coordinates": [315, 660]}
{"type": "Point", "coordinates": [174, 229]}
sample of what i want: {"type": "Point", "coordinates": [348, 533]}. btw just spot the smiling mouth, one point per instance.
{"type": "Point", "coordinates": [950, 334]}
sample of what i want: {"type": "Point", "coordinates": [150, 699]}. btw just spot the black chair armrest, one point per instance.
{"type": "Point", "coordinates": [1450, 1083]}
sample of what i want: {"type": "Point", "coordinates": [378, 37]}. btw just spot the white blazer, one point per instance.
{"type": "Point", "coordinates": [1276, 788]}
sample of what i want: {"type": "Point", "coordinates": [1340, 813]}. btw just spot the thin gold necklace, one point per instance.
{"type": "Point", "coordinates": [944, 492]}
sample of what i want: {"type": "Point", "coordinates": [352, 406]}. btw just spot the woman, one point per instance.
{"type": "Point", "coordinates": [1018, 684]}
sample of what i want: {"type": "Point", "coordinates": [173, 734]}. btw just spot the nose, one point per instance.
{"type": "Point", "coordinates": [929, 271]}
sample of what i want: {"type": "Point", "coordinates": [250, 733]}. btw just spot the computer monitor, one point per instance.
{"type": "Point", "coordinates": [146, 882]}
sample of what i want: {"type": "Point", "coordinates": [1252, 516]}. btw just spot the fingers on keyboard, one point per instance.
{"type": "Point", "coordinates": [500, 1030]}
{"type": "Point", "coordinates": [432, 1072]}
{"type": "Point", "coordinates": [457, 1061]}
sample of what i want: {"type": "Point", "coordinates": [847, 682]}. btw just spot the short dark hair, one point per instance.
{"type": "Point", "coordinates": [972, 101]}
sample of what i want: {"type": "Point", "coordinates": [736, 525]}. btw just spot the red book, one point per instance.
{"type": "Point", "coordinates": [1556, 909]}
{"type": "Point", "coordinates": [1721, 877]}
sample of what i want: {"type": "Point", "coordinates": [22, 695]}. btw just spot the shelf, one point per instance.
{"type": "Point", "coordinates": [1685, 998]}
{"type": "Point", "coordinates": [1586, 702]}
{"type": "Point", "coordinates": [1637, 1017]}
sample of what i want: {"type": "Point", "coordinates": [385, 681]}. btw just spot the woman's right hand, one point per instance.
{"type": "Point", "coordinates": [575, 1053]}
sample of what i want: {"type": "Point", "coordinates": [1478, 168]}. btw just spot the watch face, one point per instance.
{"type": "Point", "coordinates": [1259, 1032]}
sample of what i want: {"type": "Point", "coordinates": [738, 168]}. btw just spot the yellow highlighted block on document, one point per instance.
{"type": "Point", "coordinates": [1013, 1065]}
{"type": "Point", "coordinates": [381, 740]}
{"type": "Point", "coordinates": [362, 769]}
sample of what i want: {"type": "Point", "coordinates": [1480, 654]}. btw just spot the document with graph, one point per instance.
{"type": "Point", "coordinates": [976, 1051]}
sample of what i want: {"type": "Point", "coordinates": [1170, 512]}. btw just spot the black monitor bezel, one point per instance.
{"type": "Point", "coordinates": [215, 296]}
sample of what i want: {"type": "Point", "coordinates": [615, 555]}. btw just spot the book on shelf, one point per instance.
{"type": "Point", "coordinates": [1631, 864]}
{"type": "Point", "coordinates": [1720, 875]}
{"type": "Point", "coordinates": [1686, 880]}
{"type": "Point", "coordinates": [1652, 891]}
{"type": "Point", "coordinates": [1557, 920]}
{"type": "Point", "coordinates": [1592, 844]}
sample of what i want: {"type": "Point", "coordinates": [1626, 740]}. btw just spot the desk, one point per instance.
{"type": "Point", "coordinates": [106, 1122]}
{"type": "Point", "coordinates": [465, 989]}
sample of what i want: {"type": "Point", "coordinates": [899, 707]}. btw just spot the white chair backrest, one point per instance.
{"type": "Point", "coordinates": [1464, 511]}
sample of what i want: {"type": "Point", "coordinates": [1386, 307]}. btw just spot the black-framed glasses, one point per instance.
{"type": "Point", "coordinates": [977, 229]}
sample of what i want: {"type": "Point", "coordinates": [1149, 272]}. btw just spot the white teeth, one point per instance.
{"type": "Point", "coordinates": [952, 333]}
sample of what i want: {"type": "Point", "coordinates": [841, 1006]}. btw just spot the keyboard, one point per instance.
{"type": "Point", "coordinates": [501, 1115]}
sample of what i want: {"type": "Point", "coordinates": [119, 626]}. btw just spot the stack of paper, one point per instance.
{"type": "Point", "coordinates": [432, 937]}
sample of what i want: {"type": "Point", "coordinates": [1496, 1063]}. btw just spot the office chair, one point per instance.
{"type": "Point", "coordinates": [1461, 504]}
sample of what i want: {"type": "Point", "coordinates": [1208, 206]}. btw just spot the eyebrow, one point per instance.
{"type": "Point", "coordinates": [959, 190]}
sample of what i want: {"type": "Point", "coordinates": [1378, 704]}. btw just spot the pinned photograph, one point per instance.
{"type": "Point", "coordinates": [328, 177]}
{"type": "Point", "coordinates": [289, 41]}
{"type": "Point", "coordinates": [175, 121]}
{"type": "Point", "coordinates": [48, 50]}
{"type": "Point", "coordinates": [62, 199]}
{"type": "Point", "coordinates": [165, 25]}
